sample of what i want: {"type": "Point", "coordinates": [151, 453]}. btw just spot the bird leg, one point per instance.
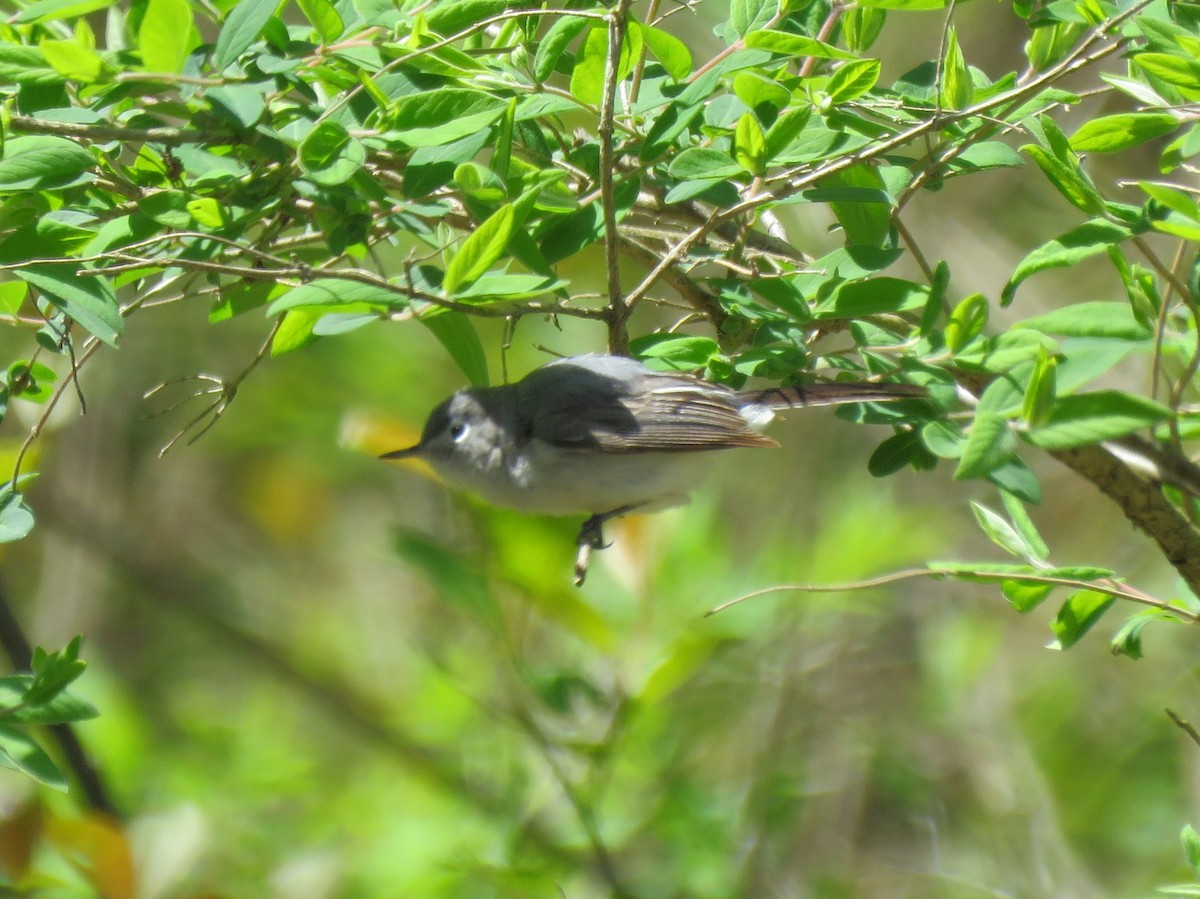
{"type": "Point", "coordinates": [591, 537]}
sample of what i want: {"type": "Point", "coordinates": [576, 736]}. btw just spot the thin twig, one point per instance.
{"type": "Point", "coordinates": [474, 28]}
{"type": "Point", "coordinates": [102, 131]}
{"type": "Point", "coordinates": [793, 180]}
{"type": "Point", "coordinates": [1184, 726]}
{"type": "Point", "coordinates": [75, 757]}
{"type": "Point", "coordinates": [823, 34]}
{"type": "Point", "coordinates": [119, 261]}
{"type": "Point", "coordinates": [226, 392]}
{"type": "Point", "coordinates": [1160, 323]}
{"type": "Point", "coordinates": [618, 310]}
{"type": "Point", "coordinates": [1105, 586]}
{"type": "Point", "coordinates": [635, 85]}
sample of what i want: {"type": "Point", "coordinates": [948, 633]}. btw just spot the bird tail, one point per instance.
{"type": "Point", "coordinates": [834, 393]}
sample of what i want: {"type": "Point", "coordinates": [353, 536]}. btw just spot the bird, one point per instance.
{"type": "Point", "coordinates": [604, 435]}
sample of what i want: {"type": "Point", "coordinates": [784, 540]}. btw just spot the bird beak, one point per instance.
{"type": "Point", "coordinates": [406, 453]}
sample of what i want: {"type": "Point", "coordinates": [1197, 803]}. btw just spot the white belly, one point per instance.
{"type": "Point", "coordinates": [552, 481]}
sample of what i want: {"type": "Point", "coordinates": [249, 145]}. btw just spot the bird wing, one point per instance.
{"type": "Point", "coordinates": [631, 410]}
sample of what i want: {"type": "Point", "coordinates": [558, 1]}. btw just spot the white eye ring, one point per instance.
{"type": "Point", "coordinates": [458, 432]}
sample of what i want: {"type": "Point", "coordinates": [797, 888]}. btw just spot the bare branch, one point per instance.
{"type": "Point", "coordinates": [618, 309]}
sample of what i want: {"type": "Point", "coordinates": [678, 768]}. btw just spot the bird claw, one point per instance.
{"type": "Point", "coordinates": [592, 532]}
{"type": "Point", "coordinates": [591, 537]}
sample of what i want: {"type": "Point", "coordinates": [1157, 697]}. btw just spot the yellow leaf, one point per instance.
{"type": "Point", "coordinates": [99, 850]}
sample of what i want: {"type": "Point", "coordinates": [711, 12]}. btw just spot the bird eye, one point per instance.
{"type": "Point", "coordinates": [458, 431]}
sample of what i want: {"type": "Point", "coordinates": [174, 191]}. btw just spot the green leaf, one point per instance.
{"type": "Point", "coordinates": [240, 297]}
{"type": "Point", "coordinates": [62, 708]}
{"type": "Point", "coordinates": [165, 35]}
{"type": "Point", "coordinates": [324, 19]}
{"type": "Point", "coordinates": [1173, 198]}
{"type": "Point", "coordinates": [1174, 70]}
{"type": "Point", "coordinates": [671, 122]}
{"type": "Point", "coordinates": [674, 352]}
{"type": "Point", "coordinates": [1018, 479]}
{"type": "Point", "coordinates": [873, 296]}
{"type": "Point", "coordinates": [562, 236]}
{"type": "Point", "coordinates": [437, 117]}
{"type": "Point", "coordinates": [749, 144]}
{"type": "Point", "coordinates": [88, 299]}
{"type": "Point", "coordinates": [1000, 531]}
{"type": "Point", "coordinates": [966, 322]}
{"type": "Point", "coordinates": [457, 334]}
{"type": "Point", "coordinates": [990, 444]}
{"type": "Point", "coordinates": [1110, 134]}
{"type": "Point", "coordinates": [786, 128]}
{"type": "Point", "coordinates": [894, 453]}
{"type": "Point", "coordinates": [429, 168]}
{"type": "Point", "coordinates": [909, 5]}
{"type": "Point", "coordinates": [1025, 596]}
{"type": "Point", "coordinates": [555, 42]}
{"type": "Point", "coordinates": [957, 88]}
{"type": "Point", "coordinates": [859, 199]}
{"type": "Point", "coordinates": [19, 752]}
{"type": "Point", "coordinates": [747, 15]}
{"type": "Point", "coordinates": [328, 292]}
{"type": "Point", "coordinates": [73, 60]}
{"type": "Point", "coordinates": [1019, 516]}
{"type": "Point", "coordinates": [794, 45]}
{"type": "Point", "coordinates": [12, 296]}
{"type": "Point", "coordinates": [1127, 641]}
{"type": "Point", "coordinates": [59, 10]}
{"type": "Point", "coordinates": [1113, 321]}
{"type": "Point", "coordinates": [452, 17]}
{"type": "Point", "coordinates": [702, 163]}
{"type": "Point", "coordinates": [1088, 418]}
{"type": "Point", "coordinates": [943, 439]}
{"type": "Point", "coordinates": [27, 65]}
{"type": "Point", "coordinates": [482, 248]}
{"type": "Point", "coordinates": [1051, 42]}
{"type": "Point", "coordinates": [1081, 242]}
{"type": "Point", "coordinates": [30, 380]}
{"type": "Point", "coordinates": [1042, 389]}
{"type": "Point", "coordinates": [1077, 616]}
{"type": "Point", "coordinates": [991, 154]}
{"type": "Point", "coordinates": [16, 518]}
{"type": "Point", "coordinates": [502, 149]}
{"type": "Point", "coordinates": [41, 161]}
{"type": "Point", "coordinates": [239, 103]}
{"type": "Point", "coordinates": [510, 286]}
{"type": "Point", "coordinates": [669, 50]}
{"type": "Point", "coordinates": [852, 80]}
{"type": "Point", "coordinates": [587, 78]}
{"type": "Point", "coordinates": [330, 155]}
{"type": "Point", "coordinates": [295, 329]}
{"type": "Point", "coordinates": [1068, 179]}
{"type": "Point", "coordinates": [1191, 848]}
{"type": "Point", "coordinates": [245, 22]}
{"type": "Point", "coordinates": [207, 212]}
{"type": "Point", "coordinates": [861, 26]}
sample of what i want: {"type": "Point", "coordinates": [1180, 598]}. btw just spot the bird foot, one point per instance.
{"type": "Point", "coordinates": [591, 537]}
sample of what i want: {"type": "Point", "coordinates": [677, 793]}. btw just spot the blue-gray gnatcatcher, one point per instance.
{"type": "Point", "coordinates": [604, 435]}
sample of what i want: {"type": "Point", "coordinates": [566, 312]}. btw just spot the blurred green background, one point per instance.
{"type": "Point", "coordinates": [328, 675]}
{"type": "Point", "coordinates": [320, 675]}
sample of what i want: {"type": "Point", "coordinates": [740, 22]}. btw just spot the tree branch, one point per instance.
{"type": "Point", "coordinates": [618, 309]}
{"type": "Point", "coordinates": [1143, 504]}
{"type": "Point", "coordinates": [74, 757]}
{"type": "Point", "coordinates": [102, 131]}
